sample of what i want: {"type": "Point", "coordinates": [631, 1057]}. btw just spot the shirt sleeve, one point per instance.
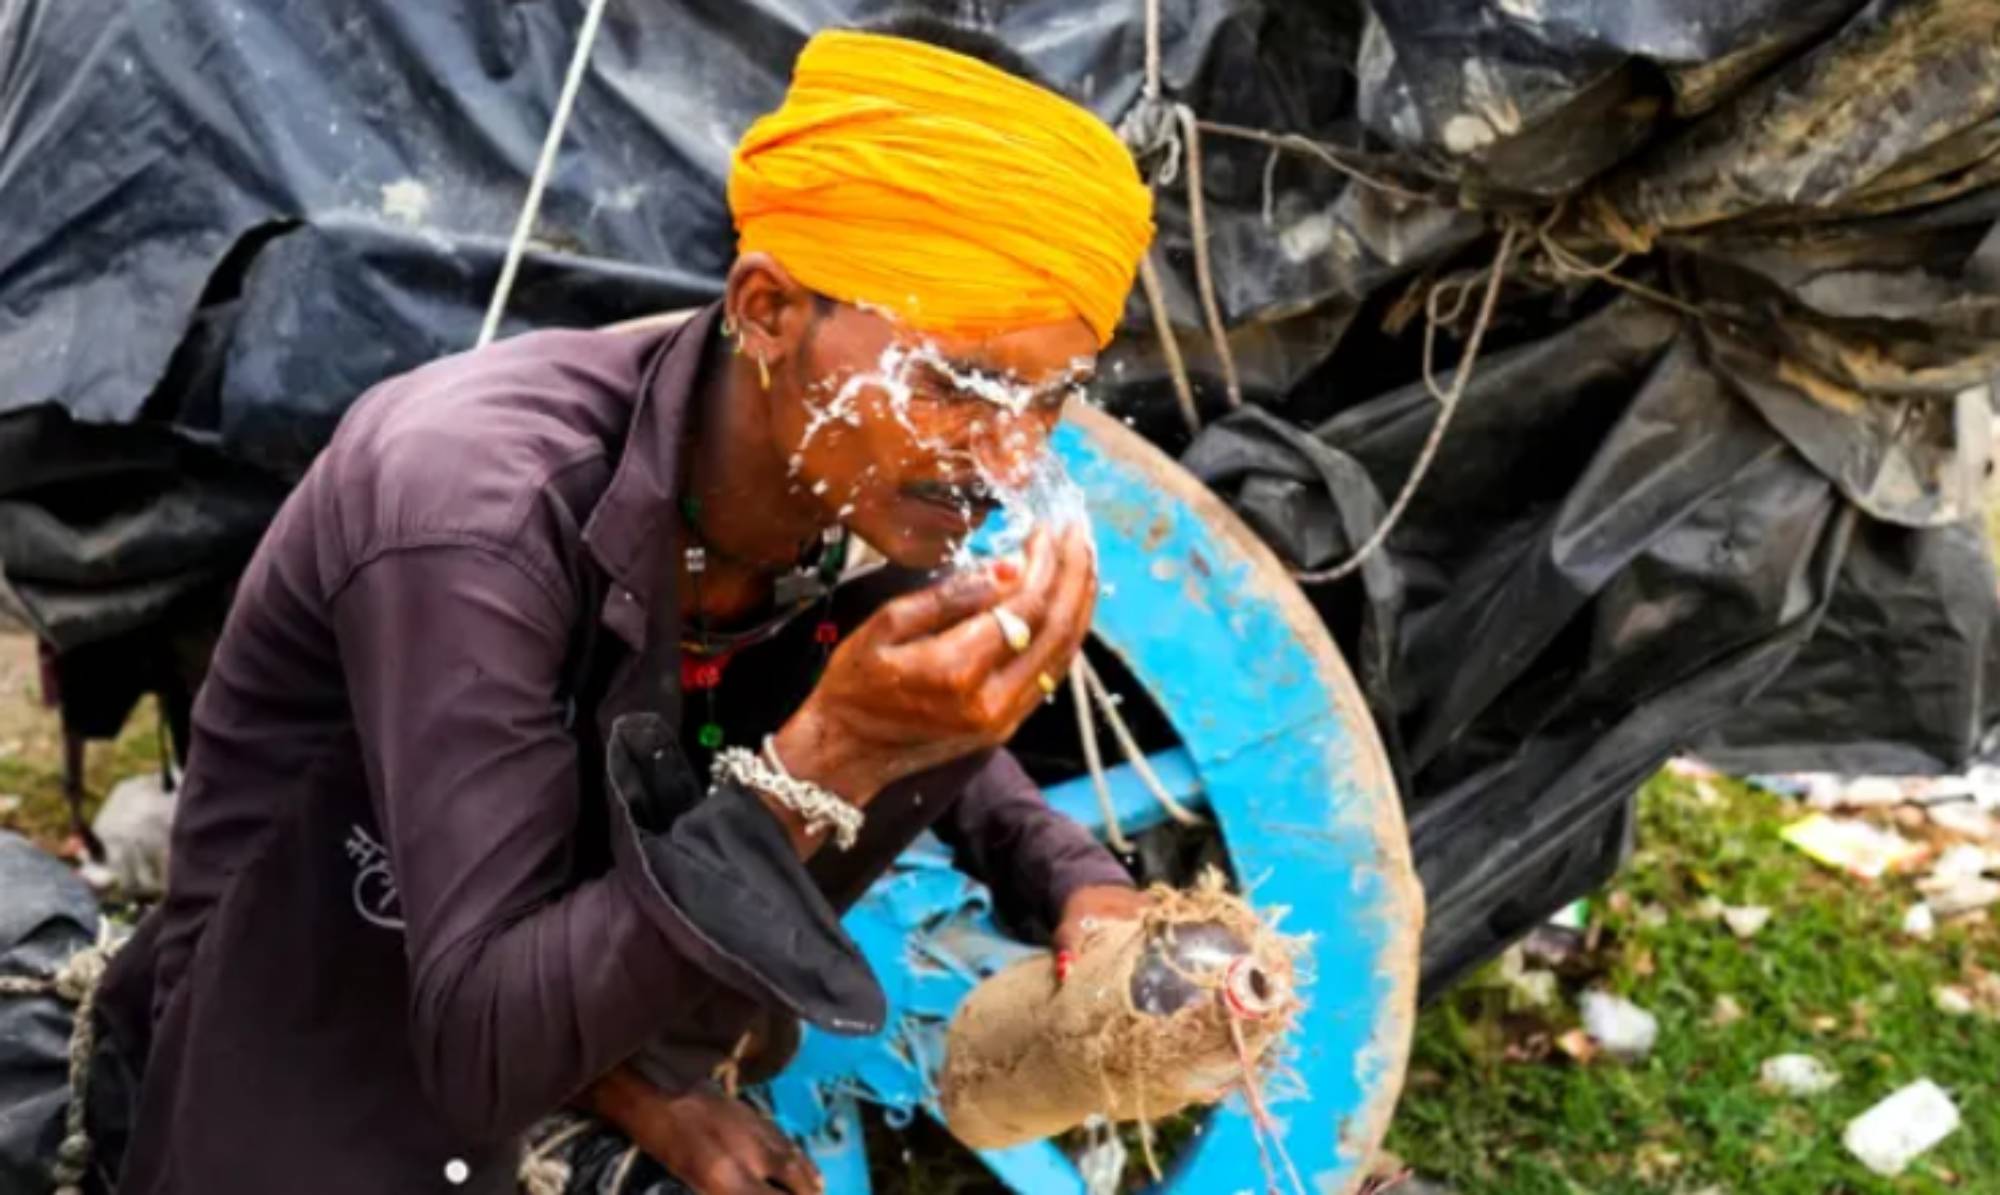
{"type": "Point", "coordinates": [1002, 832]}
{"type": "Point", "coordinates": [525, 983]}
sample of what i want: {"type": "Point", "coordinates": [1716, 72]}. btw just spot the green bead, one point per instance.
{"type": "Point", "coordinates": [710, 735]}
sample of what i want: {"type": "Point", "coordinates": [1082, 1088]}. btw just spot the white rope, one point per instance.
{"type": "Point", "coordinates": [579, 62]}
{"type": "Point", "coordinates": [77, 982]}
{"type": "Point", "coordinates": [1170, 347]}
{"type": "Point", "coordinates": [1086, 729]}
{"type": "Point", "coordinates": [1128, 744]}
{"type": "Point", "coordinates": [1152, 91]}
{"type": "Point", "coordinates": [1204, 270]}
{"type": "Point", "coordinates": [543, 1173]}
{"type": "Point", "coordinates": [1447, 405]}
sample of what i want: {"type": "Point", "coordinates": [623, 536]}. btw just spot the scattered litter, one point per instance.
{"type": "Point", "coordinates": [1953, 1000]}
{"type": "Point", "coordinates": [1623, 1029]}
{"type": "Point", "coordinates": [1578, 1045]}
{"type": "Point", "coordinates": [1707, 908]}
{"type": "Point", "coordinates": [1852, 846]}
{"type": "Point", "coordinates": [1653, 916]}
{"type": "Point", "coordinates": [1552, 946]}
{"type": "Point", "coordinates": [1706, 793]}
{"type": "Point", "coordinates": [1727, 1012]}
{"type": "Point", "coordinates": [1978, 788]}
{"type": "Point", "coordinates": [1956, 896]}
{"type": "Point", "coordinates": [1102, 1163]}
{"type": "Point", "coordinates": [1829, 790]}
{"type": "Point", "coordinates": [1864, 792]}
{"type": "Point", "coordinates": [1573, 916]}
{"type": "Point", "coordinates": [1687, 767]}
{"type": "Point", "coordinates": [1797, 1074]}
{"type": "Point", "coordinates": [10, 804]}
{"type": "Point", "coordinates": [1920, 923]}
{"type": "Point", "coordinates": [1744, 922]}
{"type": "Point", "coordinates": [1964, 819]}
{"type": "Point", "coordinates": [1528, 987]}
{"type": "Point", "coordinates": [1982, 783]}
{"type": "Point", "coordinates": [134, 826]}
{"type": "Point", "coordinates": [1537, 989]}
{"type": "Point", "coordinates": [1964, 861]}
{"type": "Point", "coordinates": [1889, 1136]}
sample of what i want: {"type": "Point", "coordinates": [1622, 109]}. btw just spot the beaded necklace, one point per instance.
{"type": "Point", "coordinates": [809, 584]}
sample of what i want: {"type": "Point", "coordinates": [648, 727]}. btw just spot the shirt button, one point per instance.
{"type": "Point", "coordinates": [456, 1172]}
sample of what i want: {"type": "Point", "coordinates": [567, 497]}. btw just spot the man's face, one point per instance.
{"type": "Point", "coordinates": [901, 435]}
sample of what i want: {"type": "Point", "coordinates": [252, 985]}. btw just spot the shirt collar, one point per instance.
{"type": "Point", "coordinates": [631, 530]}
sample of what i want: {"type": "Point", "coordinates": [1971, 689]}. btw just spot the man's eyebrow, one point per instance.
{"type": "Point", "coordinates": [1073, 375]}
{"type": "Point", "coordinates": [980, 369]}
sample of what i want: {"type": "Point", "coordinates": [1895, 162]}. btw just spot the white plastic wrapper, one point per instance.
{"type": "Point", "coordinates": [134, 826]}
{"type": "Point", "coordinates": [1895, 1132]}
{"type": "Point", "coordinates": [1624, 1030]}
{"type": "Point", "coordinates": [1797, 1074]}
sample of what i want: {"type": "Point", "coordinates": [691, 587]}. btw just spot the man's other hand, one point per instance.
{"type": "Point", "coordinates": [1089, 909]}
{"type": "Point", "coordinates": [934, 675]}
{"type": "Point", "coordinates": [714, 1144]}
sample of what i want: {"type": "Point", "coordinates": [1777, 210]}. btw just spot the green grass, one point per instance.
{"type": "Point", "coordinates": [1830, 976]}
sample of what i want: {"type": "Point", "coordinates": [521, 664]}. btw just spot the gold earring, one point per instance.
{"type": "Point", "coordinates": [764, 371]}
{"type": "Point", "coordinates": [728, 326]}
{"type": "Point", "coordinates": [739, 342]}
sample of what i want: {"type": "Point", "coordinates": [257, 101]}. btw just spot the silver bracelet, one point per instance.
{"type": "Point", "coordinates": [821, 809]}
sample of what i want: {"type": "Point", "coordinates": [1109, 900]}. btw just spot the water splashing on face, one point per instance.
{"type": "Point", "coordinates": [1047, 498]}
{"type": "Point", "coordinates": [1042, 495]}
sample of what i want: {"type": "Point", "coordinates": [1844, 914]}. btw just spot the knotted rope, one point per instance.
{"type": "Point", "coordinates": [76, 982]}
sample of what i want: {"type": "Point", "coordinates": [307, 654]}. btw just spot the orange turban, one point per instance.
{"type": "Point", "coordinates": [946, 192]}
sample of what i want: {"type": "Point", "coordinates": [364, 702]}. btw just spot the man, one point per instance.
{"type": "Point", "coordinates": [445, 862]}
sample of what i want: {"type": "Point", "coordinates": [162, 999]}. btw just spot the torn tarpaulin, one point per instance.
{"type": "Point", "coordinates": [1614, 556]}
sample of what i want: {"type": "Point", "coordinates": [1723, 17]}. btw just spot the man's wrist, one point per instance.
{"type": "Point", "coordinates": [614, 1096]}
{"type": "Point", "coordinates": [812, 751]}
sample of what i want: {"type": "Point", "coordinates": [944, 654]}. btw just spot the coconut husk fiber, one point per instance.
{"type": "Point", "coordinates": [1027, 1058]}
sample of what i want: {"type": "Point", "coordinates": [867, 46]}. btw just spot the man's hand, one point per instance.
{"type": "Point", "coordinates": [714, 1144]}
{"type": "Point", "coordinates": [1089, 909]}
{"type": "Point", "coordinates": [930, 677]}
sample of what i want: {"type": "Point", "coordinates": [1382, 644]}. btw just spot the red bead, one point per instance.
{"type": "Point", "coordinates": [697, 673]}
{"type": "Point", "coordinates": [827, 633]}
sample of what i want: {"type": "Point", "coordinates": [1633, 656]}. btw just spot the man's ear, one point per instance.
{"type": "Point", "coordinates": [767, 307]}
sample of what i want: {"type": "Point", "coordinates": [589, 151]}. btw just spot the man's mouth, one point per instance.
{"type": "Point", "coordinates": [967, 502]}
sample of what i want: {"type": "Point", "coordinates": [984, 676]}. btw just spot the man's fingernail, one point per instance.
{"type": "Point", "coordinates": [1006, 571]}
{"type": "Point", "coordinates": [1064, 961]}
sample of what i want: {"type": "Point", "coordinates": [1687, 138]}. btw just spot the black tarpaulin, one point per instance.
{"type": "Point", "coordinates": [1613, 558]}
{"type": "Point", "coordinates": [46, 916]}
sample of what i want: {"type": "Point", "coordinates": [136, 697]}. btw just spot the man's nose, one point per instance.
{"type": "Point", "coordinates": [1007, 449]}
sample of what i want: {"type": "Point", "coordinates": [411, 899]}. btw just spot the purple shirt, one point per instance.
{"type": "Point", "coordinates": [440, 859]}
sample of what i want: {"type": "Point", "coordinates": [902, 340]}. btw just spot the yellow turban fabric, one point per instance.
{"type": "Point", "coordinates": [948, 193]}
